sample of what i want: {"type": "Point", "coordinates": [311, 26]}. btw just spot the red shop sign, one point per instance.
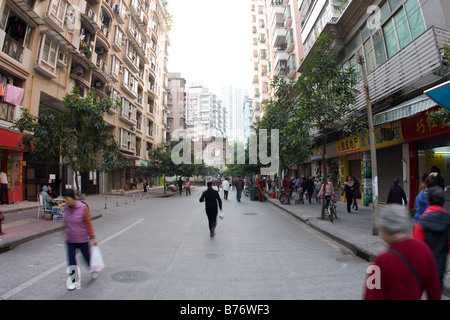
{"type": "Point", "coordinates": [418, 127]}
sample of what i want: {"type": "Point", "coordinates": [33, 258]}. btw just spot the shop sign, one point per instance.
{"type": "Point", "coordinates": [380, 143]}
{"type": "Point", "coordinates": [331, 152]}
{"type": "Point", "coordinates": [348, 145]}
{"type": "Point", "coordinates": [419, 127]}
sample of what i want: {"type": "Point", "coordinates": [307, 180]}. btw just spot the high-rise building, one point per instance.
{"type": "Point", "coordinates": [233, 100]}
{"type": "Point", "coordinates": [277, 47]}
{"type": "Point", "coordinates": [205, 114]}
{"type": "Point", "coordinates": [176, 102]}
{"type": "Point", "coordinates": [117, 48]}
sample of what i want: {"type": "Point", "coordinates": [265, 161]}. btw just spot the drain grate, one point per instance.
{"type": "Point", "coordinates": [250, 214]}
{"type": "Point", "coordinates": [130, 276]}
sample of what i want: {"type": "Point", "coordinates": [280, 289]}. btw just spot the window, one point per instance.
{"type": "Point", "coordinates": [378, 46]}
{"type": "Point", "coordinates": [415, 18]}
{"type": "Point", "coordinates": [401, 24]}
{"type": "Point", "coordinates": [49, 51]}
{"type": "Point", "coordinates": [370, 58]}
{"type": "Point", "coordinates": [115, 66]}
{"type": "Point", "coordinates": [6, 112]}
{"type": "Point", "coordinates": [390, 38]}
{"type": "Point", "coordinates": [58, 10]}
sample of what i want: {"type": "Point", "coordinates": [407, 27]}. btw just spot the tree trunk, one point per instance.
{"type": "Point", "coordinates": [164, 183]}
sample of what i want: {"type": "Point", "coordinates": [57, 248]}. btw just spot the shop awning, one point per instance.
{"type": "Point", "coordinates": [440, 94]}
{"type": "Point", "coordinates": [404, 110]}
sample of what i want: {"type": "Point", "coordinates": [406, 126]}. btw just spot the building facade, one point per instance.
{"type": "Point", "coordinates": [117, 48]}
{"type": "Point", "coordinates": [176, 103]}
{"type": "Point", "coordinates": [401, 43]}
{"type": "Point", "coordinates": [205, 114]}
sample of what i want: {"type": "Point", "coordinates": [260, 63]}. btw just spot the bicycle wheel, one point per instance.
{"type": "Point", "coordinates": [330, 214]}
{"type": "Point", "coordinates": [333, 212]}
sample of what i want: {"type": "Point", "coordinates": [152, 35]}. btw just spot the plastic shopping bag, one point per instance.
{"type": "Point", "coordinates": [96, 262]}
{"type": "Point", "coordinates": [221, 215]}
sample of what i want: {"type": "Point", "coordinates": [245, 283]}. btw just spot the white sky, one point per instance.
{"type": "Point", "coordinates": [211, 42]}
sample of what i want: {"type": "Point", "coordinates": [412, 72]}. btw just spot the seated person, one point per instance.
{"type": "Point", "coordinates": [47, 201]}
{"type": "Point", "coordinates": [52, 193]}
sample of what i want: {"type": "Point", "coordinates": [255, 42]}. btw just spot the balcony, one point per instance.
{"type": "Point", "coordinates": [101, 64]}
{"type": "Point", "coordinates": [13, 49]}
{"type": "Point", "coordinates": [279, 37]}
{"type": "Point", "coordinates": [277, 16]}
{"type": "Point", "coordinates": [120, 12]}
{"type": "Point", "coordinates": [292, 67]}
{"type": "Point", "coordinates": [89, 15]}
{"type": "Point", "coordinates": [281, 59]}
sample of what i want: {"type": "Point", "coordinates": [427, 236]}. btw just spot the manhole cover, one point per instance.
{"type": "Point", "coordinates": [214, 255]}
{"type": "Point", "coordinates": [250, 214]}
{"type": "Point", "coordinates": [131, 276]}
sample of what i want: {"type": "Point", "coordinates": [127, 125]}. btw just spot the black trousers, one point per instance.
{"type": "Point", "coordinates": [212, 218]}
{"type": "Point", "coordinates": [349, 201]}
{"type": "Point", "coordinates": [4, 191]}
{"type": "Point", "coordinates": [225, 194]}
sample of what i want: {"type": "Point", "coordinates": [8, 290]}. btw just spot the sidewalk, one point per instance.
{"type": "Point", "coordinates": [21, 223]}
{"type": "Point", "coordinates": [353, 230]}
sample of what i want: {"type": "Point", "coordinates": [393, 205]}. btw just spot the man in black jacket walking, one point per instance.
{"type": "Point", "coordinates": [211, 198]}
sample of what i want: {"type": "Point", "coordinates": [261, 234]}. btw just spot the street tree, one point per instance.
{"type": "Point", "coordinates": [324, 98]}
{"type": "Point", "coordinates": [78, 134]}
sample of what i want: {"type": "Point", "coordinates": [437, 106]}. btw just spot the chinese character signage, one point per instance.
{"type": "Point", "coordinates": [380, 143]}
{"type": "Point", "coordinates": [419, 127]}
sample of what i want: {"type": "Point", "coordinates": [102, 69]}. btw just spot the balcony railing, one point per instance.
{"type": "Point", "coordinates": [13, 49]}
{"type": "Point", "coordinates": [101, 64]}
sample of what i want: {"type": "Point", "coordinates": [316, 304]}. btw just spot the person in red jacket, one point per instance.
{"type": "Point", "coordinates": [261, 187]}
{"type": "Point", "coordinates": [407, 268]}
{"type": "Point", "coordinates": [433, 227]}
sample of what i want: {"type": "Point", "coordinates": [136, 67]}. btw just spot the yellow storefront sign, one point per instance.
{"type": "Point", "coordinates": [380, 143]}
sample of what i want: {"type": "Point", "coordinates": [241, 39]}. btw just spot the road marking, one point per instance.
{"type": "Point", "coordinates": [63, 264]}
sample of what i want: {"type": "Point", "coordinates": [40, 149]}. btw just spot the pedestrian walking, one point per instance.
{"type": "Point", "coordinates": [3, 188]}
{"type": "Point", "coordinates": [79, 230]}
{"type": "Point", "coordinates": [269, 184]}
{"type": "Point", "coordinates": [421, 203]}
{"type": "Point", "coordinates": [397, 194]}
{"type": "Point", "coordinates": [440, 180]}
{"type": "Point", "coordinates": [348, 190]}
{"type": "Point", "coordinates": [180, 185]}
{"type": "Point", "coordinates": [317, 185]}
{"type": "Point", "coordinates": [310, 188]}
{"type": "Point", "coordinates": [356, 193]}
{"type": "Point", "coordinates": [226, 188]}
{"type": "Point", "coordinates": [188, 187]}
{"type": "Point", "coordinates": [212, 200]}
{"type": "Point", "coordinates": [407, 268]}
{"type": "Point", "coordinates": [218, 183]}
{"type": "Point", "coordinates": [261, 183]}
{"type": "Point", "coordinates": [145, 182]}
{"type": "Point", "coordinates": [434, 228]}
{"type": "Point", "coordinates": [239, 188]}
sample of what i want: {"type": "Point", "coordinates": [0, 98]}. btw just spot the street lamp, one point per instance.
{"type": "Point", "coordinates": [373, 152]}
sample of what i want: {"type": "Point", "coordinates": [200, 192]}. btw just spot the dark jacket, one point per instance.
{"type": "Point", "coordinates": [239, 184]}
{"type": "Point", "coordinates": [434, 228]}
{"type": "Point", "coordinates": [211, 198]}
{"type": "Point", "coordinates": [396, 194]}
{"type": "Point", "coordinates": [309, 184]}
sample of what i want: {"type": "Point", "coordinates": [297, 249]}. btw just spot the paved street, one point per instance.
{"type": "Point", "coordinates": [160, 248]}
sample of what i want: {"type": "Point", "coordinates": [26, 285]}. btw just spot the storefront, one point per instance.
{"type": "Point", "coordinates": [429, 145]}
{"type": "Point", "coordinates": [11, 162]}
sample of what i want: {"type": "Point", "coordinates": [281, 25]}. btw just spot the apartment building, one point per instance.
{"type": "Point", "coordinates": [233, 100]}
{"type": "Point", "coordinates": [176, 103]}
{"type": "Point", "coordinates": [401, 42]}
{"type": "Point", "coordinates": [205, 114]}
{"type": "Point", "coordinates": [117, 48]}
{"type": "Point", "coordinates": [277, 47]}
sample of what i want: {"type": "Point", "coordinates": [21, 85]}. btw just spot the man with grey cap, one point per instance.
{"type": "Point", "coordinates": [433, 227]}
{"type": "Point", "coordinates": [407, 268]}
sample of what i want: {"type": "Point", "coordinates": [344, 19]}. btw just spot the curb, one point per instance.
{"type": "Point", "coordinates": [360, 252]}
{"type": "Point", "coordinates": [9, 245]}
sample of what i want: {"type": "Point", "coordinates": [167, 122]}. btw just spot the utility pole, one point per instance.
{"type": "Point", "coordinates": [373, 151]}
